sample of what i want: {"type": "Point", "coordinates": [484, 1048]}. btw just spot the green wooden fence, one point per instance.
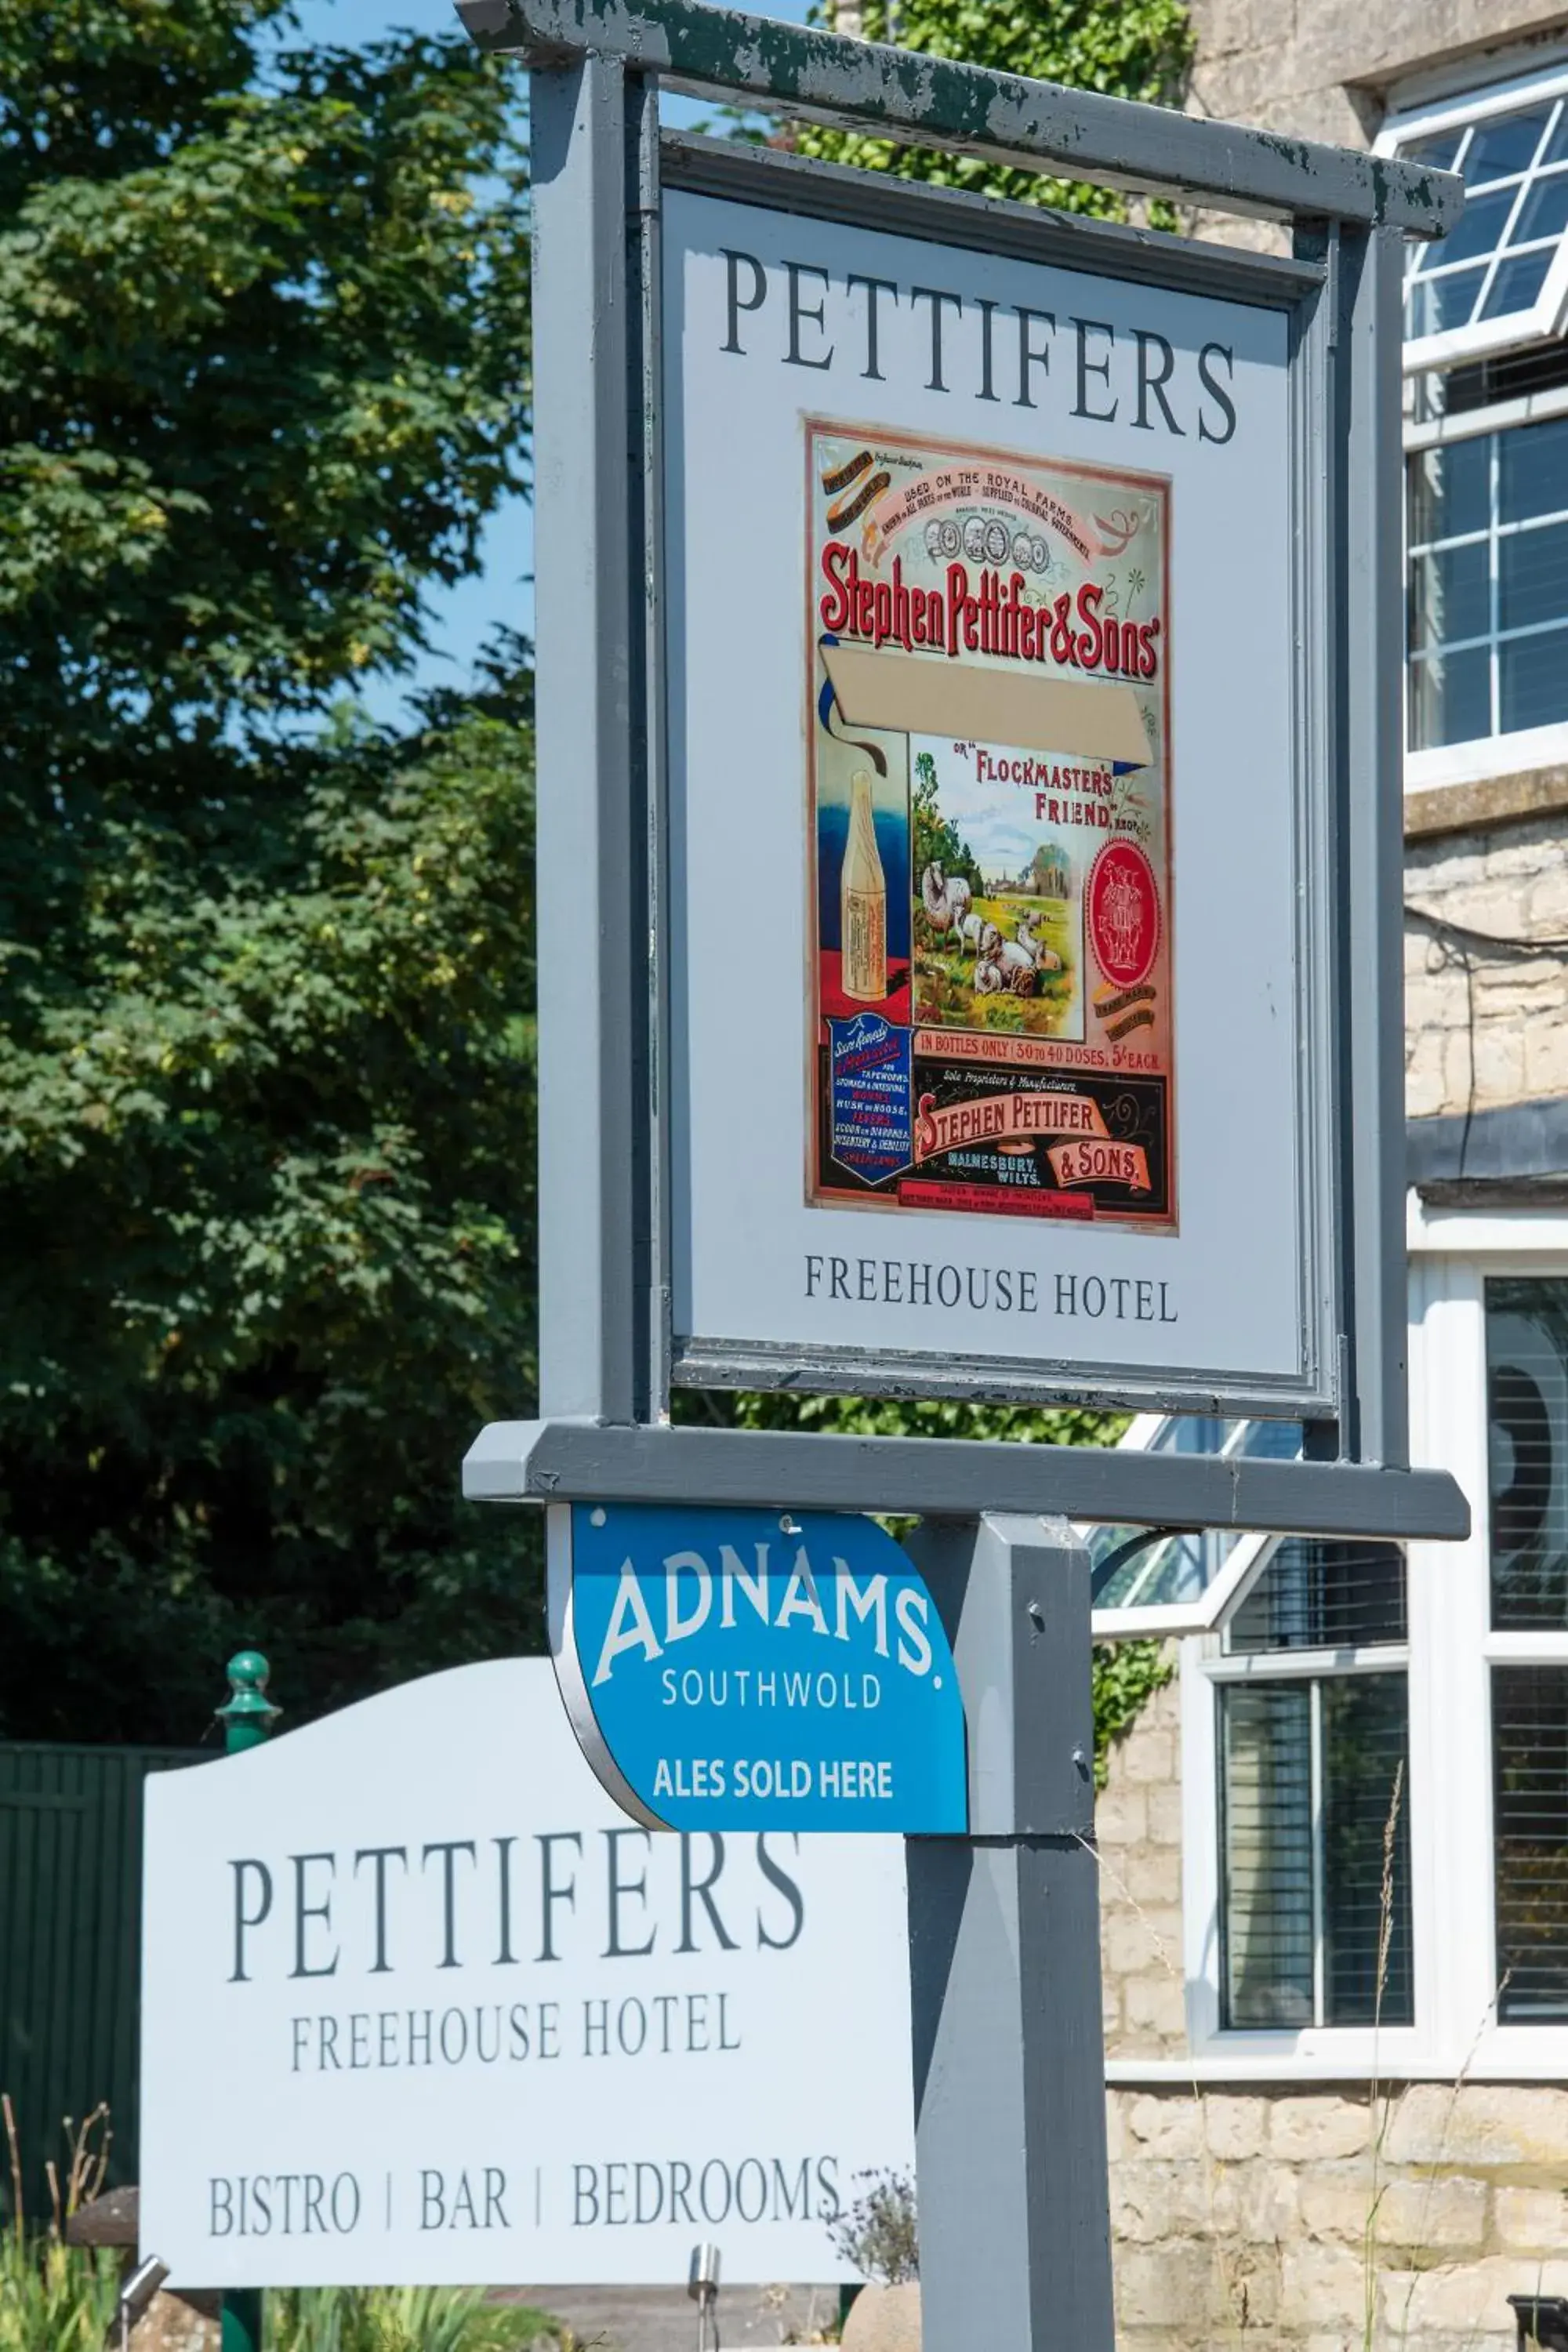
{"type": "Point", "coordinates": [70, 1937]}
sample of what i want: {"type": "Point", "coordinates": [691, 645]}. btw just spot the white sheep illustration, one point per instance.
{"type": "Point", "coordinates": [980, 937]}
{"type": "Point", "coordinates": [1043, 959]}
{"type": "Point", "coordinates": [1008, 966]}
{"type": "Point", "coordinates": [945, 898]}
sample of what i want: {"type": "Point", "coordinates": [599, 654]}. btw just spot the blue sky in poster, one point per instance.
{"type": "Point", "coordinates": [501, 589]}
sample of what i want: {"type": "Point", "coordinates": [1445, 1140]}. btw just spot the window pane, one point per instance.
{"type": "Point", "coordinates": [1316, 1595]}
{"type": "Point", "coordinates": [1438, 149]}
{"type": "Point", "coordinates": [1367, 1973]}
{"type": "Point", "coordinates": [1517, 283]}
{"type": "Point", "coordinates": [1451, 491]}
{"type": "Point", "coordinates": [1527, 1403]}
{"type": "Point", "coordinates": [1269, 1440]}
{"type": "Point", "coordinates": [1532, 471]}
{"type": "Point", "coordinates": [1266, 1803]}
{"type": "Point", "coordinates": [1505, 145]}
{"type": "Point", "coordinates": [1450, 698]}
{"type": "Point", "coordinates": [1532, 576]}
{"type": "Point", "coordinates": [1545, 211]}
{"type": "Point", "coordinates": [1435, 304]}
{"type": "Point", "coordinates": [1480, 229]}
{"type": "Point", "coordinates": [1529, 1747]}
{"type": "Point", "coordinates": [1533, 681]}
{"type": "Point", "coordinates": [1450, 595]}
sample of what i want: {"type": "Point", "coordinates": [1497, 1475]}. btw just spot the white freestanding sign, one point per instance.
{"type": "Point", "coordinates": [420, 2005]}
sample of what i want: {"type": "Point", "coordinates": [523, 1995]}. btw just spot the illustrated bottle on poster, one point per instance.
{"type": "Point", "coordinates": [863, 902]}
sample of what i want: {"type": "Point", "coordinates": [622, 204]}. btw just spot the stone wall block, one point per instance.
{"type": "Point", "coordinates": [1517, 990]}
{"type": "Point", "coordinates": [1166, 2287]}
{"type": "Point", "coordinates": [1156, 2003]}
{"type": "Point", "coordinates": [1546, 900]}
{"type": "Point", "coordinates": [1121, 1816]}
{"type": "Point", "coordinates": [1500, 1061]}
{"type": "Point", "coordinates": [1133, 1939]}
{"type": "Point", "coordinates": [1319, 2282]}
{"type": "Point", "coordinates": [1471, 2296]}
{"type": "Point", "coordinates": [1433, 1000]}
{"type": "Point", "coordinates": [1150, 1754]}
{"type": "Point", "coordinates": [1428, 2214]}
{"type": "Point", "coordinates": [1483, 2124]}
{"type": "Point", "coordinates": [1531, 2220]}
{"type": "Point", "coordinates": [1236, 2125]}
{"type": "Point", "coordinates": [1150, 1874]}
{"type": "Point", "coordinates": [1312, 2128]}
{"type": "Point", "coordinates": [1165, 2124]}
{"type": "Point", "coordinates": [1421, 2213]}
{"type": "Point", "coordinates": [1223, 26]}
{"type": "Point", "coordinates": [1165, 1815]}
{"type": "Point", "coordinates": [1425, 1088]}
{"type": "Point", "coordinates": [1546, 1056]}
{"type": "Point", "coordinates": [1264, 2201]}
{"type": "Point", "coordinates": [1457, 1078]}
{"type": "Point", "coordinates": [1152, 2201]}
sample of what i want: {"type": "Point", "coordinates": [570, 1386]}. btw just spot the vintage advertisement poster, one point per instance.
{"type": "Point", "coordinates": [989, 797]}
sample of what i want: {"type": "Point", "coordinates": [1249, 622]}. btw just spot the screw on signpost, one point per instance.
{"type": "Point", "coordinates": [247, 1717]}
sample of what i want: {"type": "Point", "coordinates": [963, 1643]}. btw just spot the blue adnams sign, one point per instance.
{"type": "Point", "coordinates": [737, 1670]}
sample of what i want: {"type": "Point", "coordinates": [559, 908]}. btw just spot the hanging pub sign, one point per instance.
{"type": "Point", "coordinates": [969, 847]}
{"type": "Point", "coordinates": [993, 999]}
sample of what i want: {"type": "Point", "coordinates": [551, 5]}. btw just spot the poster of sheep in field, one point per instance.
{"type": "Point", "coordinates": [989, 833]}
{"type": "Point", "coordinates": [997, 906]}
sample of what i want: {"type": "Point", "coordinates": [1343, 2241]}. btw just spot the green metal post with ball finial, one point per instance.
{"type": "Point", "coordinates": [247, 1717]}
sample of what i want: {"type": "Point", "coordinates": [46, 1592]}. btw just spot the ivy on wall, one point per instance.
{"type": "Point", "coordinates": [1126, 1676]}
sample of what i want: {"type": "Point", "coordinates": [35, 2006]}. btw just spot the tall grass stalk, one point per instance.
{"type": "Point", "coordinates": [55, 2297]}
{"type": "Point", "coordinates": [1233, 2292]}
{"type": "Point", "coordinates": [1379, 2126]}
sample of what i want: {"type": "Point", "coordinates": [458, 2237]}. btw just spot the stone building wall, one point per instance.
{"type": "Point", "coordinates": [1485, 1025]}
{"type": "Point", "coordinates": [1138, 1825]}
{"type": "Point", "coordinates": [1242, 2216]}
{"type": "Point", "coordinates": [1319, 68]}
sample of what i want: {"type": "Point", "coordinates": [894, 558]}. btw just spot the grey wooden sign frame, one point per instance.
{"type": "Point", "coordinates": [608, 1356]}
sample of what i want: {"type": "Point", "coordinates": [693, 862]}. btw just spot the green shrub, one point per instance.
{"type": "Point", "coordinates": [55, 2297]}
{"type": "Point", "coordinates": [395, 2319]}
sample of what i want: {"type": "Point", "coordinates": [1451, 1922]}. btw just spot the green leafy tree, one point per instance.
{"type": "Point", "coordinates": [265, 968]}
{"type": "Point", "coordinates": [936, 837]}
{"type": "Point", "coordinates": [1126, 48]}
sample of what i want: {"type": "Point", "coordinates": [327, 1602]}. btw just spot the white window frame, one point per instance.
{"type": "Point", "coordinates": [1527, 748]}
{"type": "Point", "coordinates": [1485, 338]}
{"type": "Point", "coordinates": [1449, 1659]}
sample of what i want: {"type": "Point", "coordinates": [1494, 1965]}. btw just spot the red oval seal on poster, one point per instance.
{"type": "Point", "coordinates": [1123, 913]}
